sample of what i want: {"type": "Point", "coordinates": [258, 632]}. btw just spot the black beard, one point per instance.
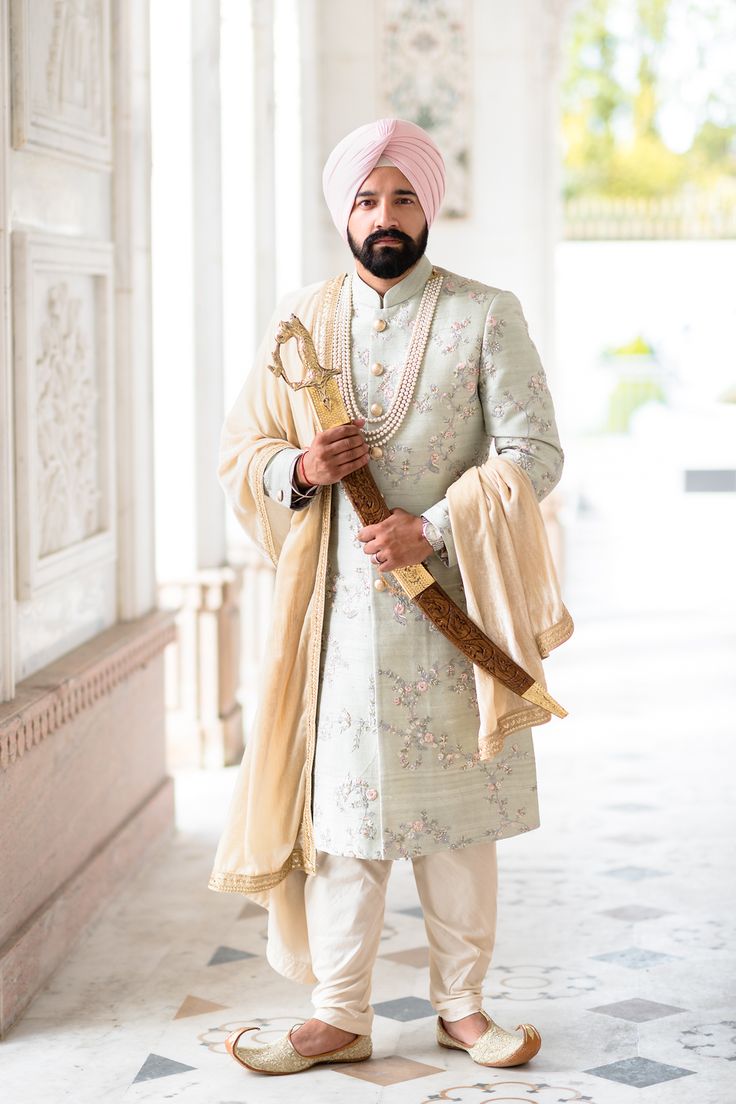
{"type": "Point", "coordinates": [389, 261]}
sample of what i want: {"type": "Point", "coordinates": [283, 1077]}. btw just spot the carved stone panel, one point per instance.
{"type": "Point", "coordinates": [63, 386]}
{"type": "Point", "coordinates": [60, 58]}
{"type": "Point", "coordinates": [425, 78]}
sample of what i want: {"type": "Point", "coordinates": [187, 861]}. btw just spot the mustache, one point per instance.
{"type": "Point", "coordinates": [371, 240]}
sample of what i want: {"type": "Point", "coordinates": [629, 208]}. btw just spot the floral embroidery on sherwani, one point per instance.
{"type": "Point", "coordinates": [396, 769]}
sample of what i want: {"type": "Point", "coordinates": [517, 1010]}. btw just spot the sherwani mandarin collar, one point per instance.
{"type": "Point", "coordinates": [411, 285]}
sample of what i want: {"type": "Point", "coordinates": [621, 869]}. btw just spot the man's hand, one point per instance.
{"type": "Point", "coordinates": [335, 453]}
{"type": "Point", "coordinates": [397, 541]}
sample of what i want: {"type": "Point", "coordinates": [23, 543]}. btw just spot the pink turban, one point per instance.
{"type": "Point", "coordinates": [404, 144]}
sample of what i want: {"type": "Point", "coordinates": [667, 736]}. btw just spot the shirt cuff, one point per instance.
{"type": "Point", "coordinates": [279, 481]}
{"type": "Point", "coordinates": [439, 515]}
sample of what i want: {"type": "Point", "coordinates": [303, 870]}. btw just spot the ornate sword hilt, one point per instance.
{"type": "Point", "coordinates": [321, 381]}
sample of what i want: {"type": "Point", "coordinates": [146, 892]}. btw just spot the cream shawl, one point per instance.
{"type": "Point", "coordinates": [266, 850]}
{"type": "Point", "coordinates": [268, 830]}
{"type": "Point", "coordinates": [510, 585]}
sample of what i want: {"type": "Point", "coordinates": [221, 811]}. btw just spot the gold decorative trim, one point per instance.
{"type": "Point", "coordinates": [326, 311]}
{"type": "Point", "coordinates": [324, 314]}
{"type": "Point", "coordinates": [558, 634]}
{"type": "Point", "coordinates": [260, 496]}
{"type": "Point", "coordinates": [59, 692]}
{"type": "Point", "coordinates": [413, 579]}
{"type": "Point", "coordinates": [536, 693]}
{"type": "Point", "coordinates": [225, 881]}
{"type": "Point", "coordinates": [492, 745]}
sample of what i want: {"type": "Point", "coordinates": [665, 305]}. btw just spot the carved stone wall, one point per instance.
{"type": "Point", "coordinates": [65, 436]}
{"type": "Point", "coordinates": [76, 455]}
{"type": "Point", "coordinates": [482, 76]}
{"type": "Point", "coordinates": [425, 60]}
{"type": "Point", "coordinates": [84, 789]}
{"type": "Point", "coordinates": [61, 78]}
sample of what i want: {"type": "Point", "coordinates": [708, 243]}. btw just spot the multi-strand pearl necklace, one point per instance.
{"type": "Point", "coordinates": [380, 429]}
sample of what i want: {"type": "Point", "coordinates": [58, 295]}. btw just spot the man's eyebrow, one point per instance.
{"type": "Point", "coordinates": [396, 191]}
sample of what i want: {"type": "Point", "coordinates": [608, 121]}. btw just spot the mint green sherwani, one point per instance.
{"type": "Point", "coordinates": [396, 769]}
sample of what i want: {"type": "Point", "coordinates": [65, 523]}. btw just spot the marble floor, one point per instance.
{"type": "Point", "coordinates": [616, 924]}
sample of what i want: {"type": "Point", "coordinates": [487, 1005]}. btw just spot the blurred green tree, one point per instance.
{"type": "Point", "coordinates": [631, 62]}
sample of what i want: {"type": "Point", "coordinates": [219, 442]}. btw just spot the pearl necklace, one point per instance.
{"type": "Point", "coordinates": [380, 429]}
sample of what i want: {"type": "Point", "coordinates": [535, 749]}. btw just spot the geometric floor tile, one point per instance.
{"type": "Point", "coordinates": [416, 956]}
{"type": "Point", "coordinates": [388, 1071]}
{"type": "Point", "coordinates": [636, 958]}
{"type": "Point", "coordinates": [157, 1066]}
{"type": "Point", "coordinates": [195, 1006]}
{"type": "Point", "coordinates": [637, 1010]}
{"type": "Point", "coordinates": [639, 1072]}
{"type": "Point", "coordinates": [534, 982]}
{"type": "Point", "coordinates": [415, 910]}
{"type": "Point", "coordinates": [228, 954]}
{"type": "Point", "coordinates": [634, 913]}
{"type": "Point", "coordinates": [404, 1009]}
{"type": "Point", "coordinates": [634, 873]}
{"type": "Point", "coordinates": [711, 1040]}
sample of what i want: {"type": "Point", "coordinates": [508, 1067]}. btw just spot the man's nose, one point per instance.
{"type": "Point", "coordinates": [384, 215]}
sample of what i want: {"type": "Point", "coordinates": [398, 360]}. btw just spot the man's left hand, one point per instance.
{"type": "Point", "coordinates": [397, 541]}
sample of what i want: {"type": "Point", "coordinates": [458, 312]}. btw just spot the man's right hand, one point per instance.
{"type": "Point", "coordinates": [334, 453]}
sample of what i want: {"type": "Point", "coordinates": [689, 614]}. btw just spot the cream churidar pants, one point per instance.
{"type": "Point", "coordinates": [345, 902]}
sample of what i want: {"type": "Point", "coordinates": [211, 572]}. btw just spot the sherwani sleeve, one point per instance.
{"type": "Point", "coordinates": [279, 480]}
{"type": "Point", "coordinates": [517, 406]}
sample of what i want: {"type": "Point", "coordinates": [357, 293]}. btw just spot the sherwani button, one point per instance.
{"type": "Point", "coordinates": [376, 409]}
{"type": "Point", "coordinates": [380, 584]}
{"type": "Point", "coordinates": [380, 325]}
{"type": "Point", "coordinates": [376, 452]}
{"type": "Point", "coordinates": [377, 369]}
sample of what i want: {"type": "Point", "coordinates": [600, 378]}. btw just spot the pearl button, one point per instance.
{"type": "Point", "coordinates": [376, 410]}
{"type": "Point", "coordinates": [376, 452]}
{"type": "Point", "coordinates": [377, 369]}
{"type": "Point", "coordinates": [380, 325]}
{"type": "Point", "coordinates": [380, 584]}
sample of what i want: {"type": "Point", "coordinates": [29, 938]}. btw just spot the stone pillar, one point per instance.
{"type": "Point", "coordinates": [205, 717]}
{"type": "Point", "coordinates": [205, 722]}
{"type": "Point", "coordinates": [264, 229]}
{"type": "Point", "coordinates": [209, 388]}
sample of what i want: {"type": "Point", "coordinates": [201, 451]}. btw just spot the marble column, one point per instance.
{"type": "Point", "coordinates": [205, 724]}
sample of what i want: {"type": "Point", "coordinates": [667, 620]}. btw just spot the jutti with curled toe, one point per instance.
{"type": "Point", "coordinates": [282, 1056]}
{"type": "Point", "coordinates": [495, 1047]}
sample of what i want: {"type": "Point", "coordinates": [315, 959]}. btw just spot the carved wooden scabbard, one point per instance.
{"type": "Point", "coordinates": [369, 504]}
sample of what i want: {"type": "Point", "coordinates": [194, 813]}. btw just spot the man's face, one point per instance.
{"type": "Point", "coordinates": [387, 230]}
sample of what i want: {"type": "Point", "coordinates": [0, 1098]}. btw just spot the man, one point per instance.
{"type": "Point", "coordinates": [365, 749]}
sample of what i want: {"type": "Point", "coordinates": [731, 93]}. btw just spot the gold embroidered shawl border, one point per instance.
{"type": "Point", "coordinates": [557, 634]}
{"type": "Point", "coordinates": [265, 529]}
{"type": "Point", "coordinates": [324, 330]}
{"type": "Point", "coordinates": [228, 882]}
{"type": "Point", "coordinates": [493, 744]}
